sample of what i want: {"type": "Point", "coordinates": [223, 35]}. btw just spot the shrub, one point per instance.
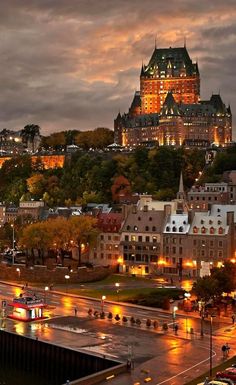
{"type": "Point", "coordinates": [138, 321]}
{"type": "Point", "coordinates": [148, 323]}
{"type": "Point", "coordinates": [155, 324]}
{"type": "Point", "coordinates": [109, 315]}
{"type": "Point", "coordinates": [90, 312]}
{"type": "Point", "coordinates": [96, 314]}
{"type": "Point", "coordinates": [132, 320]}
{"type": "Point", "coordinates": [165, 326]}
{"type": "Point", "coordinates": [117, 317]}
{"type": "Point", "coordinates": [124, 319]}
{"type": "Point", "coordinates": [102, 315]}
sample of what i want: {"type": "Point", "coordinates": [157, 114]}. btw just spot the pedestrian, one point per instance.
{"type": "Point", "coordinates": [224, 351]}
{"type": "Point", "coordinates": [233, 319]}
{"type": "Point", "coordinates": [227, 349]}
{"type": "Point", "coordinates": [176, 329]}
{"type": "Point", "coordinates": [75, 310]}
{"type": "Point", "coordinates": [206, 382]}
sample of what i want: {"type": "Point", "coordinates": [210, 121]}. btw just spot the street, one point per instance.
{"type": "Point", "coordinates": [163, 356]}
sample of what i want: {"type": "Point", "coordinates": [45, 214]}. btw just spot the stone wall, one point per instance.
{"type": "Point", "coordinates": [40, 274]}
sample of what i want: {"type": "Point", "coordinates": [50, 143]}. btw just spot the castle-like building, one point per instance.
{"type": "Point", "coordinates": [168, 111]}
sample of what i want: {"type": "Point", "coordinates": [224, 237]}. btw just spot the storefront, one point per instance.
{"type": "Point", "coordinates": [26, 309]}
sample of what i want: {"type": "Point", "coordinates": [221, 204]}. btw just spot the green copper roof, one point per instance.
{"type": "Point", "coordinates": [172, 60]}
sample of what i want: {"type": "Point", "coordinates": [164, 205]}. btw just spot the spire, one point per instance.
{"type": "Point", "coordinates": [180, 193]}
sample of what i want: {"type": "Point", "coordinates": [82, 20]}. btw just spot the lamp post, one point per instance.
{"type": "Point", "coordinates": [13, 243]}
{"type": "Point", "coordinates": [187, 298]}
{"type": "Point", "coordinates": [175, 308]}
{"type": "Point", "coordinates": [212, 316]}
{"type": "Point", "coordinates": [117, 289]}
{"type": "Point", "coordinates": [45, 296]}
{"type": "Point", "coordinates": [67, 277]}
{"type": "Point", "coordinates": [102, 303]}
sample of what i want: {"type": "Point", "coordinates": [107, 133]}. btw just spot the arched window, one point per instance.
{"type": "Point", "coordinates": [212, 230]}
{"type": "Point", "coordinates": [181, 229]}
{"type": "Point", "coordinates": [150, 218]}
{"type": "Point", "coordinates": [203, 230]}
{"type": "Point", "coordinates": [128, 227]}
{"type": "Point", "coordinates": [139, 218]}
{"type": "Point", "coordinates": [195, 230]}
{"type": "Point", "coordinates": [221, 230]}
{"type": "Point", "coordinates": [167, 228]}
{"type": "Point", "coordinates": [146, 228]}
{"type": "Point", "coordinates": [174, 229]}
{"type": "Point", "coordinates": [153, 228]}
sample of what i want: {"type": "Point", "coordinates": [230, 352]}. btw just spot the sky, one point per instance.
{"type": "Point", "coordinates": [74, 64]}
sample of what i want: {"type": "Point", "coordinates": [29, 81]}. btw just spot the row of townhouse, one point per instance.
{"type": "Point", "coordinates": [166, 238]}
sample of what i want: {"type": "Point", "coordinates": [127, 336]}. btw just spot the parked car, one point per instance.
{"type": "Point", "coordinates": [218, 382]}
{"type": "Point", "coordinates": [226, 381]}
{"type": "Point", "coordinates": [227, 373]}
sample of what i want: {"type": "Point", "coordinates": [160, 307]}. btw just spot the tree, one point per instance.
{"type": "Point", "coordinates": [36, 185]}
{"type": "Point", "coordinates": [121, 186]}
{"type": "Point", "coordinates": [36, 236]}
{"type": "Point", "coordinates": [206, 287]}
{"type": "Point", "coordinates": [83, 230]}
{"type": "Point", "coordinates": [29, 133]}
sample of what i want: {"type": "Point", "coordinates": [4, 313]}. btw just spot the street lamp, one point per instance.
{"type": "Point", "coordinates": [18, 271]}
{"type": "Point", "coordinates": [202, 313]}
{"type": "Point", "coordinates": [45, 289]}
{"type": "Point", "coordinates": [13, 243]}
{"type": "Point", "coordinates": [212, 316]}
{"type": "Point", "coordinates": [117, 285]}
{"type": "Point", "coordinates": [102, 303]}
{"type": "Point", "coordinates": [67, 277]}
{"type": "Point", "coordinates": [175, 308]}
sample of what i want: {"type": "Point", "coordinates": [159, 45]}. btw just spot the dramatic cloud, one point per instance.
{"type": "Point", "coordinates": [75, 63]}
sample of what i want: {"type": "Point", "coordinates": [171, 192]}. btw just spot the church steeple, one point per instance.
{"type": "Point", "coordinates": [181, 193]}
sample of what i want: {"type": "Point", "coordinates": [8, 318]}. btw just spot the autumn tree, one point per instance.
{"type": "Point", "coordinates": [121, 186]}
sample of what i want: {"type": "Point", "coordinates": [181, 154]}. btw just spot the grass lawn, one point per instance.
{"type": "Point", "coordinates": [111, 294]}
{"type": "Point", "coordinates": [113, 278]}
{"type": "Point", "coordinates": [218, 368]}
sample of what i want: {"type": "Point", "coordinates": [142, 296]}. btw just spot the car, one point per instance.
{"type": "Point", "coordinates": [218, 382]}
{"type": "Point", "coordinates": [227, 373]}
{"type": "Point", "coordinates": [227, 381]}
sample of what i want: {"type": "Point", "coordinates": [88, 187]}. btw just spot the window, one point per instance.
{"type": "Point", "coordinates": [220, 244]}
{"type": "Point", "coordinates": [146, 228]}
{"type": "Point", "coordinates": [140, 238]}
{"type": "Point", "coordinates": [150, 219]}
{"type": "Point", "coordinates": [180, 250]}
{"type": "Point", "coordinates": [126, 237]}
{"type": "Point", "coordinates": [154, 239]}
{"type": "Point", "coordinates": [195, 242]}
{"type": "Point", "coordinates": [174, 250]}
{"type": "Point", "coordinates": [128, 228]}
{"type": "Point", "coordinates": [167, 228]}
{"type": "Point", "coordinates": [133, 238]}
{"type": "Point", "coordinates": [147, 239]}
{"type": "Point", "coordinates": [102, 237]}
{"type": "Point", "coordinates": [154, 228]}
{"type": "Point", "coordinates": [167, 249]}
{"type": "Point", "coordinates": [174, 229]}
{"type": "Point", "coordinates": [181, 229]}
{"type": "Point", "coordinates": [109, 238]}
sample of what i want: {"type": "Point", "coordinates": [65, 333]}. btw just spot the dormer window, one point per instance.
{"type": "Point", "coordinates": [219, 222]}
{"type": "Point", "coordinates": [210, 222]}
{"type": "Point", "coordinates": [184, 222]}
{"type": "Point", "coordinates": [167, 228]}
{"type": "Point", "coordinates": [195, 230]}
{"type": "Point", "coordinates": [203, 230]}
{"type": "Point", "coordinates": [128, 227]}
{"type": "Point", "coordinates": [181, 229]}
{"type": "Point", "coordinates": [212, 230]}
{"type": "Point", "coordinates": [174, 229]}
{"type": "Point", "coordinates": [202, 221]}
{"type": "Point", "coordinates": [173, 222]}
{"type": "Point", "coordinates": [221, 230]}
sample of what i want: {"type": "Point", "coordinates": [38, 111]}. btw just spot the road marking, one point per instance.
{"type": "Point", "coordinates": [186, 370]}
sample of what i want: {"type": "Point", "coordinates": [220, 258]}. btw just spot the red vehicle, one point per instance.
{"type": "Point", "coordinates": [227, 373]}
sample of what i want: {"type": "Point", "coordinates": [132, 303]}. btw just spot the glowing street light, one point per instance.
{"type": "Point", "coordinates": [18, 271]}
{"type": "Point", "coordinates": [117, 285]}
{"type": "Point", "coordinates": [67, 277]}
{"type": "Point", "coordinates": [102, 302]}
{"type": "Point", "coordinates": [45, 290]}
{"type": "Point", "coordinates": [175, 308]}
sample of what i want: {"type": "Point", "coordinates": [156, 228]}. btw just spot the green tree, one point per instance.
{"type": "Point", "coordinates": [29, 133]}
